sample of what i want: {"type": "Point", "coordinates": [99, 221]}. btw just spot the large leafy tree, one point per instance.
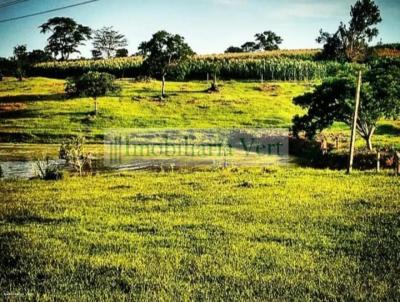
{"type": "Point", "coordinates": [163, 51]}
{"type": "Point", "coordinates": [66, 36]}
{"type": "Point", "coordinates": [350, 42]}
{"type": "Point", "coordinates": [108, 41]}
{"type": "Point", "coordinates": [333, 101]}
{"type": "Point", "coordinates": [268, 40]}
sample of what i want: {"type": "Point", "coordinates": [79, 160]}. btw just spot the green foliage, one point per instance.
{"type": "Point", "coordinates": [73, 152]}
{"type": "Point", "coordinates": [21, 59]}
{"type": "Point", "coordinates": [45, 116]}
{"type": "Point", "coordinates": [7, 67]}
{"type": "Point", "coordinates": [108, 41]}
{"type": "Point", "coordinates": [47, 169]}
{"type": "Point", "coordinates": [96, 54]}
{"type": "Point", "coordinates": [91, 84]}
{"type": "Point", "coordinates": [227, 235]}
{"type": "Point", "coordinates": [164, 50]}
{"type": "Point", "coordinates": [66, 36]}
{"type": "Point", "coordinates": [122, 53]}
{"type": "Point", "coordinates": [350, 42]}
{"type": "Point", "coordinates": [278, 69]}
{"type": "Point", "coordinates": [267, 41]}
{"type": "Point", "coordinates": [333, 101]}
{"type": "Point", "coordinates": [234, 66]}
{"type": "Point", "coordinates": [249, 46]}
{"type": "Point", "coordinates": [233, 49]}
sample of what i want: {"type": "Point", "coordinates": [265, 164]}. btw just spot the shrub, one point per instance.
{"type": "Point", "coordinates": [73, 153]}
{"type": "Point", "coordinates": [48, 170]}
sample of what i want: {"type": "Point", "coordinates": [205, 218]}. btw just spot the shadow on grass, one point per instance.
{"type": "Point", "coordinates": [388, 130]}
{"type": "Point", "coordinates": [21, 266]}
{"type": "Point", "coordinates": [25, 216]}
{"type": "Point", "coordinates": [32, 98]}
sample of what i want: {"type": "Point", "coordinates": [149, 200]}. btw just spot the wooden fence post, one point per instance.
{"type": "Point", "coordinates": [378, 162]}
{"type": "Point", "coordinates": [354, 124]}
{"type": "Point", "coordinates": [397, 163]}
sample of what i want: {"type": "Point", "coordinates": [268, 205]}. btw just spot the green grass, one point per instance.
{"type": "Point", "coordinates": [240, 104]}
{"type": "Point", "coordinates": [36, 111]}
{"type": "Point", "coordinates": [226, 235]}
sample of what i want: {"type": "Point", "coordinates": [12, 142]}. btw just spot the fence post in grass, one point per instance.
{"type": "Point", "coordinates": [354, 125]}
{"type": "Point", "coordinates": [378, 162]}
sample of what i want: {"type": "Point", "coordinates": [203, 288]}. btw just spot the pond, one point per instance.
{"type": "Point", "coordinates": [21, 160]}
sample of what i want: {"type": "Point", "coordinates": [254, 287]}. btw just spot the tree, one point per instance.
{"type": "Point", "coordinates": [333, 101]}
{"type": "Point", "coordinates": [38, 56]}
{"type": "Point", "coordinates": [107, 40]}
{"type": "Point", "coordinates": [351, 41]}
{"type": "Point", "coordinates": [66, 36]}
{"type": "Point", "coordinates": [122, 53]}
{"type": "Point", "coordinates": [268, 40]}
{"type": "Point", "coordinates": [91, 84]}
{"type": "Point", "coordinates": [249, 46]}
{"type": "Point", "coordinates": [233, 49]}
{"type": "Point", "coordinates": [163, 51]}
{"type": "Point", "coordinates": [21, 59]}
{"type": "Point", "coordinates": [96, 54]}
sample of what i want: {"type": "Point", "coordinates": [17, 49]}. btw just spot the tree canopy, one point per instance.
{"type": "Point", "coordinates": [265, 41]}
{"type": "Point", "coordinates": [162, 51]}
{"type": "Point", "coordinates": [66, 36]}
{"type": "Point", "coordinates": [333, 101]}
{"type": "Point", "coordinates": [268, 40]}
{"type": "Point", "coordinates": [92, 84]}
{"type": "Point", "coordinates": [108, 41]}
{"type": "Point", "coordinates": [350, 42]}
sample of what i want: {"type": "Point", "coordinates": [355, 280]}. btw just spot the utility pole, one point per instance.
{"type": "Point", "coordinates": [354, 125]}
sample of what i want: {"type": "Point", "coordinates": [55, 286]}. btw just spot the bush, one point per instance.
{"type": "Point", "coordinates": [73, 153]}
{"type": "Point", "coordinates": [92, 84]}
{"type": "Point", "coordinates": [48, 170]}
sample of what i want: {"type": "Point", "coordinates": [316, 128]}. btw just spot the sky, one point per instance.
{"type": "Point", "coordinates": [209, 26]}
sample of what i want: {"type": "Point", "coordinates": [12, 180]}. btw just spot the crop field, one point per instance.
{"type": "Point", "coordinates": [275, 66]}
{"type": "Point", "coordinates": [235, 234]}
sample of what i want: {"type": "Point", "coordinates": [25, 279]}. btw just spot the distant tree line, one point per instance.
{"type": "Point", "coordinates": [264, 41]}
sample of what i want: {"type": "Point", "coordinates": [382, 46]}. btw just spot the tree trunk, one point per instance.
{"type": "Point", "coordinates": [163, 87]}
{"type": "Point", "coordinates": [369, 143]}
{"type": "Point", "coordinates": [95, 106]}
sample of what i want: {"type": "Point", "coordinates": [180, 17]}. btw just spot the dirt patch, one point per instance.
{"type": "Point", "coordinates": [8, 107]}
{"type": "Point", "coordinates": [269, 87]}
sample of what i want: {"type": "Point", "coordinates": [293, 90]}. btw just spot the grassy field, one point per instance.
{"type": "Point", "coordinates": [35, 110]}
{"type": "Point", "coordinates": [234, 234]}
{"type": "Point", "coordinates": [224, 235]}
